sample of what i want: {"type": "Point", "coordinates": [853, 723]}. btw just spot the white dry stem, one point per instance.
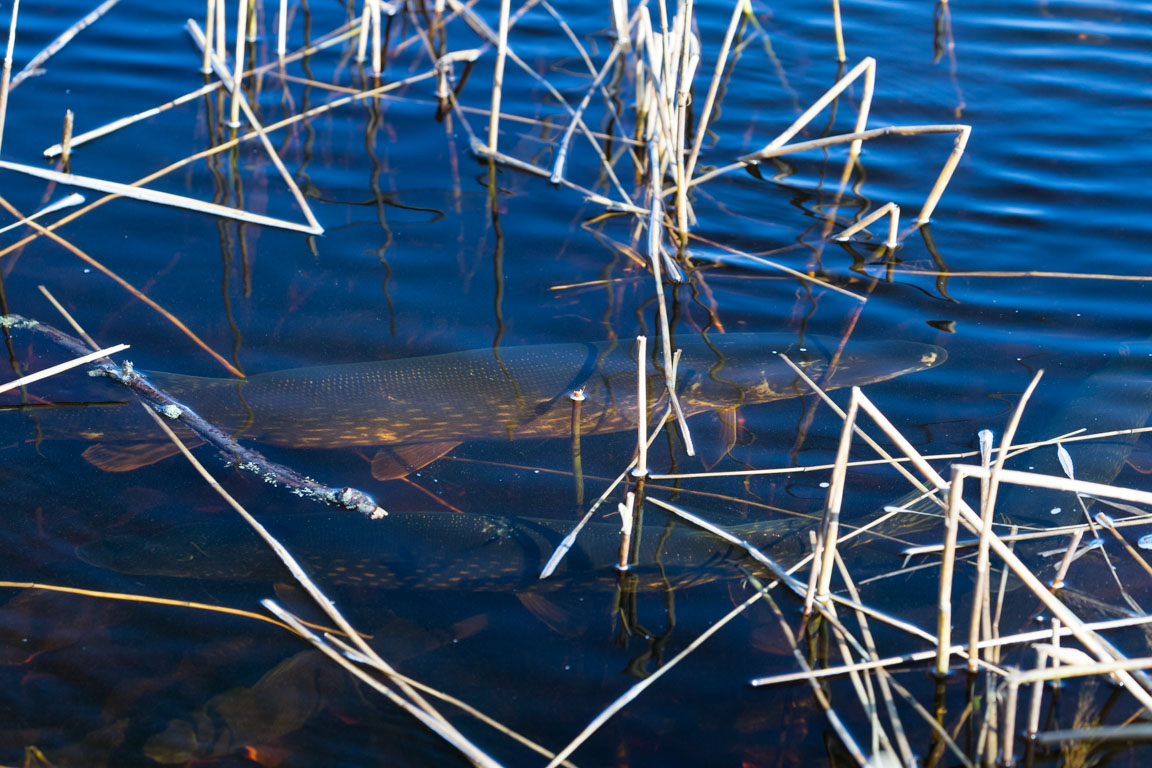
{"type": "Point", "coordinates": [55, 369]}
{"type": "Point", "coordinates": [6, 76]}
{"type": "Point", "coordinates": [34, 66]}
{"type": "Point", "coordinates": [498, 76]}
{"type": "Point", "coordinates": [888, 209]}
{"type": "Point", "coordinates": [1099, 647]}
{"type": "Point", "coordinates": [239, 98]}
{"type": "Point", "coordinates": [154, 196]}
{"type": "Point", "coordinates": [65, 202]}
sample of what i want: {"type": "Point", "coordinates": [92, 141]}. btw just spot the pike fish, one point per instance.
{"type": "Point", "coordinates": [448, 550]}
{"type": "Point", "coordinates": [418, 409]}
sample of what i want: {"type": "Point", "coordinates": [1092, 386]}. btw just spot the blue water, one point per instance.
{"type": "Point", "coordinates": [413, 262]}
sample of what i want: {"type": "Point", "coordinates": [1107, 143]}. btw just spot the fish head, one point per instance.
{"type": "Point", "coordinates": [739, 369]}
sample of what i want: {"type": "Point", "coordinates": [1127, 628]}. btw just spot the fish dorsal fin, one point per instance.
{"type": "Point", "coordinates": [126, 458]}
{"type": "Point", "coordinates": [729, 419]}
{"type": "Point", "coordinates": [395, 462]}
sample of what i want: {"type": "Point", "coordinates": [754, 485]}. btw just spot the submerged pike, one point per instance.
{"type": "Point", "coordinates": [447, 550]}
{"type": "Point", "coordinates": [420, 408]}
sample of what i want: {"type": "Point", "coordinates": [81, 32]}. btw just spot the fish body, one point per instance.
{"type": "Point", "coordinates": [417, 409]}
{"type": "Point", "coordinates": [520, 392]}
{"type": "Point", "coordinates": [446, 550]}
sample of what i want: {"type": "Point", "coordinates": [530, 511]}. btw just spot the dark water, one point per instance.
{"type": "Point", "coordinates": [415, 261]}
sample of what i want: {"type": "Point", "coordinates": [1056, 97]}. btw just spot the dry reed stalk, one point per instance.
{"type": "Point", "coordinates": [127, 286]}
{"type": "Point", "coordinates": [566, 544]}
{"type": "Point", "coordinates": [620, 23]}
{"type": "Point", "coordinates": [838, 26]}
{"type": "Point", "coordinates": [1041, 274]}
{"type": "Point", "coordinates": [655, 238]}
{"type": "Point", "coordinates": [686, 74]}
{"type": "Point", "coordinates": [562, 149]}
{"type": "Point", "coordinates": [846, 741]}
{"type": "Point", "coordinates": [241, 102]}
{"type": "Point", "coordinates": [68, 317]}
{"type": "Point", "coordinates": [498, 75]}
{"type": "Point", "coordinates": [160, 198]}
{"type": "Point", "coordinates": [1008, 727]}
{"type": "Point", "coordinates": [281, 32]}
{"type": "Point", "coordinates": [888, 209]}
{"type": "Point", "coordinates": [627, 510]}
{"type": "Point", "coordinates": [221, 50]}
{"type": "Point", "coordinates": [947, 567]}
{"type": "Point", "coordinates": [1098, 646]}
{"type": "Point", "coordinates": [377, 56]}
{"type": "Point", "coordinates": [866, 67]}
{"type": "Point", "coordinates": [962, 131]}
{"type": "Point", "coordinates": [6, 76]}
{"type": "Point", "coordinates": [83, 138]}
{"type": "Point", "coordinates": [778, 266]}
{"type": "Point", "coordinates": [989, 504]}
{"type": "Point", "coordinates": [209, 36]}
{"type": "Point", "coordinates": [918, 656]}
{"type": "Point", "coordinates": [641, 469]}
{"type": "Point", "coordinates": [364, 29]}
{"type": "Point", "coordinates": [882, 677]}
{"type": "Point", "coordinates": [222, 147]}
{"type": "Point", "coordinates": [1033, 726]}
{"type": "Point", "coordinates": [831, 524]}
{"type": "Point", "coordinates": [55, 369]}
{"type": "Point", "coordinates": [66, 143]}
{"type": "Point", "coordinates": [885, 457]}
{"type": "Point", "coordinates": [33, 66]}
{"type": "Point", "coordinates": [352, 654]}
{"type": "Point", "coordinates": [577, 398]}
{"type": "Point", "coordinates": [628, 696]}
{"type": "Point", "coordinates": [713, 88]}
{"type": "Point", "coordinates": [431, 715]}
{"type": "Point", "coordinates": [242, 18]}
{"type": "Point", "coordinates": [131, 598]}
{"type": "Point", "coordinates": [798, 587]}
{"type": "Point", "coordinates": [437, 725]}
{"type": "Point", "coordinates": [480, 149]}
{"type": "Point", "coordinates": [65, 202]}
{"type": "Point", "coordinates": [484, 150]}
{"type": "Point", "coordinates": [1106, 522]}
{"type": "Point", "coordinates": [1066, 561]}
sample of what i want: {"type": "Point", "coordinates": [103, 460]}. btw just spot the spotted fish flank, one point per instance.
{"type": "Point", "coordinates": [445, 550]}
{"type": "Point", "coordinates": [420, 408]}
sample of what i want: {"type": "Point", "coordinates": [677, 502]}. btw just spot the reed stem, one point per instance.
{"type": "Point", "coordinates": [498, 76]}
{"type": "Point", "coordinates": [7, 73]}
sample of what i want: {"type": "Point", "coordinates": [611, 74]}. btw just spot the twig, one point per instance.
{"type": "Point", "coordinates": [245, 458]}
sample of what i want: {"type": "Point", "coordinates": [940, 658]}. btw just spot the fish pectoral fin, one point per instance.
{"type": "Point", "coordinates": [729, 433]}
{"type": "Point", "coordinates": [392, 463]}
{"type": "Point", "coordinates": [126, 458]}
{"type": "Point", "coordinates": [557, 619]}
